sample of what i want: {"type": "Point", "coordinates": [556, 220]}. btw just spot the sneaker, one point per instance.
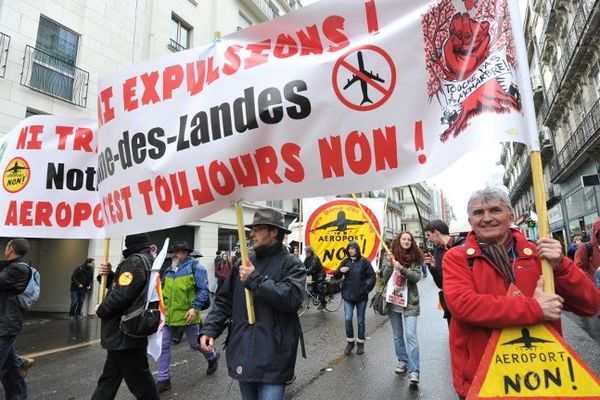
{"type": "Point", "coordinates": [348, 349]}
{"type": "Point", "coordinates": [213, 365]}
{"type": "Point", "coordinates": [413, 377]}
{"type": "Point", "coordinates": [25, 368]}
{"type": "Point", "coordinates": [163, 386]}
{"type": "Point", "coordinates": [401, 368]}
{"type": "Point", "coordinates": [360, 348]}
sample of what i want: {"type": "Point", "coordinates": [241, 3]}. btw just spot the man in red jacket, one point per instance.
{"type": "Point", "coordinates": [477, 276]}
{"type": "Point", "coordinates": [587, 255]}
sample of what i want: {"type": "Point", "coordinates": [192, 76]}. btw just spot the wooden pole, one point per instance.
{"type": "Point", "coordinates": [244, 253]}
{"type": "Point", "coordinates": [102, 291]}
{"type": "Point", "coordinates": [541, 210]}
{"type": "Point", "coordinates": [370, 223]}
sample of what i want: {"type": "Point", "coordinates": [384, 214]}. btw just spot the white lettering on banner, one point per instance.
{"type": "Point", "coordinates": [495, 66]}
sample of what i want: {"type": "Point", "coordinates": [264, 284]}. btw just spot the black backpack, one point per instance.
{"type": "Point", "coordinates": [143, 317]}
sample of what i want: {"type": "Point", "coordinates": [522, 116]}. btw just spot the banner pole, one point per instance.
{"type": "Point", "coordinates": [537, 174]}
{"type": "Point", "coordinates": [362, 210]}
{"type": "Point", "coordinates": [102, 291]}
{"type": "Point", "coordinates": [300, 225]}
{"type": "Point", "coordinates": [244, 253]}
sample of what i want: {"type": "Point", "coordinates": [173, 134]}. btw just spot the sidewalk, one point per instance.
{"type": "Point", "coordinates": [48, 332]}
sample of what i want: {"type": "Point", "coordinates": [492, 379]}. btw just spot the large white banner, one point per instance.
{"type": "Point", "coordinates": [48, 167]}
{"type": "Point", "coordinates": [338, 97]}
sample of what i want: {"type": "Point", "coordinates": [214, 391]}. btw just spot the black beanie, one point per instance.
{"type": "Point", "coordinates": [138, 240]}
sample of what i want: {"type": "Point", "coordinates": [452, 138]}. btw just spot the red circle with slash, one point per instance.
{"type": "Point", "coordinates": [365, 78]}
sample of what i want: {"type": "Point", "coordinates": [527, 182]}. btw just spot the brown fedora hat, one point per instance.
{"type": "Point", "coordinates": [268, 216]}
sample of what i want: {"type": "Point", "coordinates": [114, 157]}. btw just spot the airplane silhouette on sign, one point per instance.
{"type": "Point", "coordinates": [526, 339]}
{"type": "Point", "coordinates": [16, 168]}
{"type": "Point", "coordinates": [363, 82]}
{"type": "Point", "coordinates": [341, 223]}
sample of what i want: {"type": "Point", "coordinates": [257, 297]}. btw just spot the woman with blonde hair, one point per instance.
{"type": "Point", "coordinates": [402, 295]}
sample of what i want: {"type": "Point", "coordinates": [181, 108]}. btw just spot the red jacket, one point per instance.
{"type": "Point", "coordinates": [587, 264]}
{"type": "Point", "coordinates": [477, 299]}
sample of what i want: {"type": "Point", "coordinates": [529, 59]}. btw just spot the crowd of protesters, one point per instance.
{"type": "Point", "coordinates": [466, 269]}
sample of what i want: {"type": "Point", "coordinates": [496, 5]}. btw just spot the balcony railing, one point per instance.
{"type": "Point", "coordinates": [267, 8]}
{"type": "Point", "coordinates": [54, 77]}
{"type": "Point", "coordinates": [578, 140]}
{"type": "Point", "coordinates": [294, 4]}
{"type": "Point", "coordinates": [4, 45]}
{"type": "Point", "coordinates": [176, 46]}
{"type": "Point", "coordinates": [579, 23]}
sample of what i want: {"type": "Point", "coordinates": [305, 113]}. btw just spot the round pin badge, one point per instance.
{"type": "Point", "coordinates": [125, 278]}
{"type": "Point", "coordinates": [527, 251]}
{"type": "Point", "coordinates": [470, 251]}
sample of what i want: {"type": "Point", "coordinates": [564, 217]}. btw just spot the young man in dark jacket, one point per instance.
{"type": "Point", "coordinates": [126, 356]}
{"type": "Point", "coordinates": [14, 276]}
{"type": "Point", "coordinates": [438, 234]}
{"type": "Point", "coordinates": [359, 280]}
{"type": "Point", "coordinates": [315, 270]}
{"type": "Point", "coordinates": [81, 284]}
{"type": "Point", "coordinates": [262, 357]}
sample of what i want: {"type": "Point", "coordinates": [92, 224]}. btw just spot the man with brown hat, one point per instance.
{"type": "Point", "coordinates": [261, 356]}
{"type": "Point", "coordinates": [126, 355]}
{"type": "Point", "coordinates": [185, 293]}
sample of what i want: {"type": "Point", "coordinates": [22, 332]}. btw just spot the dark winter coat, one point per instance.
{"type": "Point", "coordinates": [82, 275]}
{"type": "Point", "coordinates": [14, 276]}
{"type": "Point", "coordinates": [314, 268]}
{"type": "Point", "coordinates": [130, 281]}
{"type": "Point", "coordinates": [266, 351]}
{"type": "Point", "coordinates": [438, 254]}
{"type": "Point", "coordinates": [358, 281]}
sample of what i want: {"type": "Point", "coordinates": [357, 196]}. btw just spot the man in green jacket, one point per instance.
{"type": "Point", "coordinates": [185, 292]}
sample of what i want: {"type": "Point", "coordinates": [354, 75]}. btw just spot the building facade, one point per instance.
{"type": "Point", "coordinates": [562, 40]}
{"type": "Point", "coordinates": [51, 57]}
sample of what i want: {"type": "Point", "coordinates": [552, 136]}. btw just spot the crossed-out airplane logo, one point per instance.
{"type": "Point", "coordinates": [332, 226]}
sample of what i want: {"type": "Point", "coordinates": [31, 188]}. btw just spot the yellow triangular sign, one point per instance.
{"type": "Point", "coordinates": [532, 362]}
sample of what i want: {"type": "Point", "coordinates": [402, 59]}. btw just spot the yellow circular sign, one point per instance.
{"type": "Point", "coordinates": [332, 226]}
{"type": "Point", "coordinates": [16, 175]}
{"type": "Point", "coordinates": [125, 278]}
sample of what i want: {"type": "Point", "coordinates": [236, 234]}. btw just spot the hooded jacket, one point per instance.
{"type": "Point", "coordinates": [184, 288]}
{"type": "Point", "coordinates": [589, 264]}
{"type": "Point", "coordinates": [475, 293]}
{"type": "Point", "coordinates": [14, 276]}
{"type": "Point", "coordinates": [359, 280]}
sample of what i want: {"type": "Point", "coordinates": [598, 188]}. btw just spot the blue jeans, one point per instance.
{"type": "Point", "coordinates": [405, 329]}
{"type": "Point", "coordinates": [262, 391]}
{"type": "Point", "coordinates": [164, 361]}
{"type": "Point", "coordinates": [10, 374]}
{"type": "Point", "coordinates": [361, 307]}
{"type": "Point", "coordinates": [77, 299]}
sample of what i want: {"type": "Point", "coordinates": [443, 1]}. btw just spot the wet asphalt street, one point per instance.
{"type": "Point", "coordinates": [325, 374]}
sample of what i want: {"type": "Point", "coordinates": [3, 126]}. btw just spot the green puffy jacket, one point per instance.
{"type": "Point", "coordinates": [184, 289]}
